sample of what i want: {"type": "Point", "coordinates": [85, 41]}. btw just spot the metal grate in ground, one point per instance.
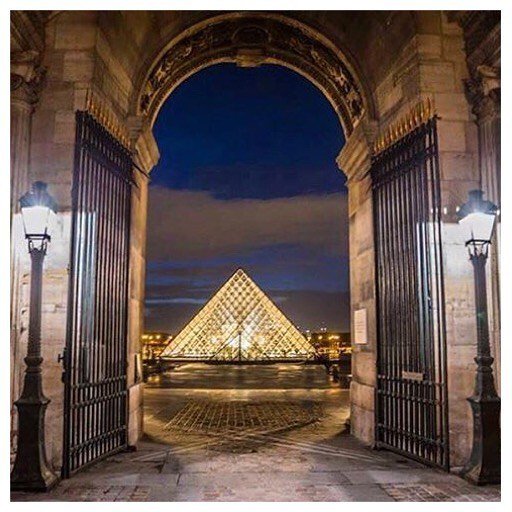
{"type": "Point", "coordinates": [236, 416]}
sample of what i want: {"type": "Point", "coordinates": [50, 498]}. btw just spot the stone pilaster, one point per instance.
{"type": "Point", "coordinates": [354, 160]}
{"type": "Point", "coordinates": [26, 81]}
{"type": "Point", "coordinates": [484, 94]}
{"type": "Point", "coordinates": [146, 156]}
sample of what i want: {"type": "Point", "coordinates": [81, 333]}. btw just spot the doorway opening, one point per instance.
{"type": "Point", "coordinates": [247, 179]}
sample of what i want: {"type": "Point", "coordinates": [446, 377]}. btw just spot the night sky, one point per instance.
{"type": "Point", "coordinates": [247, 178]}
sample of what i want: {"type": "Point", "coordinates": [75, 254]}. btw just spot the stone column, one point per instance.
{"type": "Point", "coordinates": [26, 82]}
{"type": "Point", "coordinates": [21, 113]}
{"type": "Point", "coordinates": [484, 94]}
{"type": "Point", "coordinates": [354, 161]}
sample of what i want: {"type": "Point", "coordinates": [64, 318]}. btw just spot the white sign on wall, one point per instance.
{"type": "Point", "coordinates": [360, 327]}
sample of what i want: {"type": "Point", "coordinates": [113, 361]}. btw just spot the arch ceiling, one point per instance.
{"type": "Point", "coordinates": [250, 40]}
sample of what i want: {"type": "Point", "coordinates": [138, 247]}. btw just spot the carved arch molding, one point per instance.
{"type": "Point", "coordinates": [250, 41]}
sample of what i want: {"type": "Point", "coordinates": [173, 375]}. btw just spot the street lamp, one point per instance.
{"type": "Point", "coordinates": [477, 217]}
{"type": "Point", "coordinates": [31, 471]}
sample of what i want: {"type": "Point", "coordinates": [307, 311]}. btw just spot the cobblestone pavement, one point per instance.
{"type": "Point", "coordinates": [441, 491]}
{"type": "Point", "coordinates": [272, 434]}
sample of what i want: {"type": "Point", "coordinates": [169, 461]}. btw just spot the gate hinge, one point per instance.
{"type": "Point", "coordinates": [61, 358]}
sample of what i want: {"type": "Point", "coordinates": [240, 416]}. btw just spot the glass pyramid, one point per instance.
{"type": "Point", "coordinates": [239, 323]}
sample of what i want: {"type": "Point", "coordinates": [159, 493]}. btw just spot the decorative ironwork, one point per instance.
{"type": "Point", "coordinates": [239, 323]}
{"type": "Point", "coordinates": [95, 380]}
{"type": "Point", "coordinates": [417, 115]}
{"type": "Point", "coordinates": [252, 40]}
{"type": "Point", "coordinates": [411, 399]}
{"type": "Point", "coordinates": [106, 117]}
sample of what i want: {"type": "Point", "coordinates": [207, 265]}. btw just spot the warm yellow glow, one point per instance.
{"type": "Point", "coordinates": [239, 322]}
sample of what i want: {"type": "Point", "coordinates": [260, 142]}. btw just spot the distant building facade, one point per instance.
{"type": "Point", "coordinates": [330, 343]}
{"type": "Point", "coordinates": [153, 343]}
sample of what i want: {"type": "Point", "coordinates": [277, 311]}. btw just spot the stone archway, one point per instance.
{"type": "Point", "coordinates": [393, 60]}
{"type": "Point", "coordinates": [250, 40]}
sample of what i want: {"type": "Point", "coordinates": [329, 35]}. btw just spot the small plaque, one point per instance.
{"type": "Point", "coordinates": [417, 376]}
{"type": "Point", "coordinates": [360, 327]}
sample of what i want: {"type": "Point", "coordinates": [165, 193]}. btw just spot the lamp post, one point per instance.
{"type": "Point", "coordinates": [477, 217]}
{"type": "Point", "coordinates": [31, 471]}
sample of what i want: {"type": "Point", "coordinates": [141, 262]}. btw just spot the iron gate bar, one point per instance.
{"type": "Point", "coordinates": [95, 364]}
{"type": "Point", "coordinates": [411, 397]}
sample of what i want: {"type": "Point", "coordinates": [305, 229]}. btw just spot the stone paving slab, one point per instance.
{"type": "Point", "coordinates": [390, 476]}
{"type": "Point", "coordinates": [90, 493]}
{"type": "Point", "coordinates": [169, 479]}
{"type": "Point", "coordinates": [268, 479]}
{"type": "Point", "coordinates": [293, 493]}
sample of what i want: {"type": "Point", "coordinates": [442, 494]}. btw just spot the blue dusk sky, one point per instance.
{"type": "Point", "coordinates": [247, 178]}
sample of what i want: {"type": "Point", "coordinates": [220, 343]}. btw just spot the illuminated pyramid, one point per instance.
{"type": "Point", "coordinates": [239, 323]}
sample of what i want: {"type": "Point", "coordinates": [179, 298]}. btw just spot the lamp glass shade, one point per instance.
{"type": "Point", "coordinates": [36, 206]}
{"type": "Point", "coordinates": [478, 226]}
{"type": "Point", "coordinates": [35, 221]}
{"type": "Point", "coordinates": [476, 217]}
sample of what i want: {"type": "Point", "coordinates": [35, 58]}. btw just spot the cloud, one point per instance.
{"type": "Point", "coordinates": [184, 225]}
{"type": "Point", "coordinates": [309, 309]}
{"type": "Point", "coordinates": [174, 300]}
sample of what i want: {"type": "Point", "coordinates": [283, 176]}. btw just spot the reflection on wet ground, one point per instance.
{"type": "Point", "coordinates": [213, 403]}
{"type": "Point", "coordinates": [234, 376]}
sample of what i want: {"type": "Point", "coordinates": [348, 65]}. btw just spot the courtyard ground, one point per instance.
{"type": "Point", "coordinates": [255, 433]}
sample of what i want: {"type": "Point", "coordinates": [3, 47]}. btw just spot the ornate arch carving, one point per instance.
{"type": "Point", "coordinates": [251, 40]}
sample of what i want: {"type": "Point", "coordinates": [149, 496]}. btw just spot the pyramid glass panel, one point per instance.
{"type": "Point", "coordinates": [239, 323]}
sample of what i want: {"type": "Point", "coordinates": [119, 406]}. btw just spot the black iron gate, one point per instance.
{"type": "Point", "coordinates": [411, 401]}
{"type": "Point", "coordinates": [95, 409]}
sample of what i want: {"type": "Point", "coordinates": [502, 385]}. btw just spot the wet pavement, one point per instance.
{"type": "Point", "coordinates": [236, 377]}
{"type": "Point", "coordinates": [255, 433]}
